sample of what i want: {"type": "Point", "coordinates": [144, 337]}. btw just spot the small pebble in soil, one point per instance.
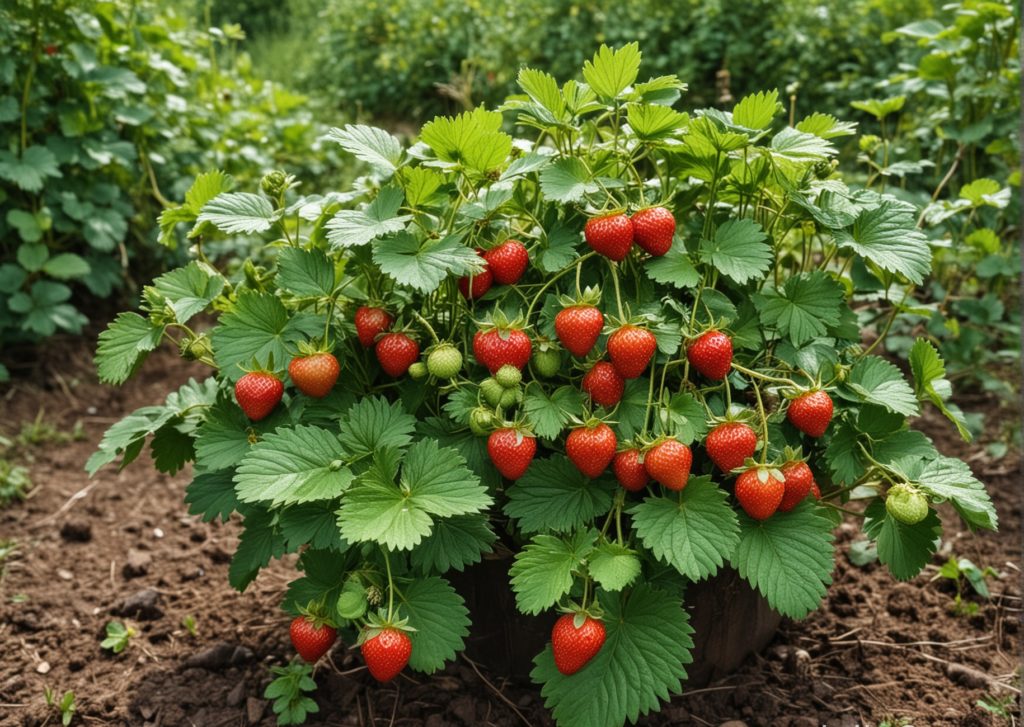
{"type": "Point", "coordinates": [143, 605]}
{"type": "Point", "coordinates": [64, 574]}
{"type": "Point", "coordinates": [137, 563]}
{"type": "Point", "coordinates": [76, 531]}
{"type": "Point", "coordinates": [43, 667]}
{"type": "Point", "coordinates": [158, 533]}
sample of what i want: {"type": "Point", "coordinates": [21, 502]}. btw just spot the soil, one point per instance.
{"type": "Point", "coordinates": [123, 546]}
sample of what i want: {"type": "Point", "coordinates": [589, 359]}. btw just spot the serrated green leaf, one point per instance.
{"type": "Point", "coordinates": [542, 572]}
{"type": "Point", "coordinates": [695, 533]}
{"type": "Point", "coordinates": [757, 110]}
{"type": "Point", "coordinates": [739, 250]}
{"type": "Point", "coordinates": [124, 345]}
{"type": "Point", "coordinates": [875, 380]}
{"type": "Point", "coordinates": [929, 372]}
{"type": "Point", "coordinates": [374, 423]}
{"type": "Point", "coordinates": [259, 542]}
{"type": "Point", "coordinates": [472, 139]}
{"type": "Point", "coordinates": [127, 436]}
{"type": "Point", "coordinates": [351, 228]}
{"type": "Point", "coordinates": [239, 212]}
{"type": "Point", "coordinates": [567, 180]}
{"type": "Point", "coordinates": [30, 170]}
{"type": "Point", "coordinates": [632, 409]}
{"type": "Point", "coordinates": [422, 265]}
{"type": "Point", "coordinates": [543, 89]}
{"type": "Point", "coordinates": [206, 187]}
{"type": "Point", "coordinates": [951, 479]}
{"type": "Point", "coordinates": [223, 438]}
{"type": "Point", "coordinates": [370, 144]}
{"type": "Point", "coordinates": [555, 495]}
{"type": "Point", "coordinates": [212, 495]}
{"type": "Point", "coordinates": [798, 146]}
{"type": "Point", "coordinates": [651, 122]}
{"type": "Point", "coordinates": [455, 542]}
{"type": "Point", "coordinates": [905, 549]}
{"type": "Point", "coordinates": [788, 558]}
{"type": "Point", "coordinates": [674, 267]}
{"type": "Point", "coordinates": [612, 72]}
{"type": "Point", "coordinates": [613, 566]}
{"type": "Point", "coordinates": [441, 621]}
{"type": "Point", "coordinates": [549, 415]}
{"type": "Point", "coordinates": [420, 184]}
{"type": "Point", "coordinates": [880, 108]}
{"type": "Point", "coordinates": [312, 523]}
{"type": "Point", "coordinates": [685, 418]}
{"type": "Point", "coordinates": [290, 466]}
{"type": "Point", "coordinates": [559, 248]}
{"type": "Point", "coordinates": [802, 308]}
{"type": "Point", "coordinates": [641, 663]}
{"type": "Point", "coordinates": [189, 290]}
{"type": "Point", "coordinates": [305, 273]}
{"type": "Point", "coordinates": [888, 236]}
{"type": "Point", "coordinates": [171, 449]}
{"type": "Point", "coordinates": [322, 581]}
{"type": "Point", "coordinates": [826, 126]}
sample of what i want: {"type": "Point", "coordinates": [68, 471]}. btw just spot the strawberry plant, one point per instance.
{"type": "Point", "coordinates": [461, 420]}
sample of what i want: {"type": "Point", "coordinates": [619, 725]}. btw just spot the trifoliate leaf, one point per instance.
{"type": "Point", "coordinates": [613, 566]}
{"type": "Point", "coordinates": [887, 235]}
{"type": "Point", "coordinates": [374, 423]}
{"type": "Point", "coordinates": [290, 466]}
{"type": "Point", "coordinates": [239, 212]}
{"type": "Point", "coordinates": [738, 251]}
{"type": "Point", "coordinates": [441, 620]}
{"type": "Point", "coordinates": [612, 71]}
{"type": "Point", "coordinates": [212, 495]}
{"type": "Point", "coordinates": [543, 570]}
{"type": "Point", "coordinates": [802, 308]}
{"type": "Point", "coordinates": [905, 549]}
{"type": "Point", "coordinates": [305, 273]}
{"type": "Point", "coordinates": [952, 479]}
{"type": "Point", "coordinates": [554, 495]}
{"type": "Point", "coordinates": [695, 532]}
{"type": "Point", "coordinates": [674, 267]}
{"type": "Point", "coordinates": [757, 110]}
{"type": "Point", "coordinates": [189, 290]}
{"type": "Point", "coordinates": [422, 265]}
{"type": "Point", "coordinates": [370, 144]}
{"type": "Point", "coordinates": [641, 663]}
{"type": "Point", "coordinates": [259, 542]}
{"type": "Point", "coordinates": [929, 374]}
{"type": "Point", "coordinates": [124, 345]}
{"type": "Point", "coordinates": [875, 380]}
{"type": "Point", "coordinates": [473, 139]}
{"type": "Point", "coordinates": [788, 558]}
{"type": "Point", "coordinates": [550, 414]}
{"type": "Point", "coordinates": [651, 122]}
{"type": "Point", "coordinates": [567, 180]}
{"type": "Point", "coordinates": [798, 146]}
{"type": "Point", "coordinates": [685, 418]}
{"type": "Point", "coordinates": [350, 228]}
{"type": "Point", "coordinates": [455, 542]}
{"type": "Point", "coordinates": [29, 171]}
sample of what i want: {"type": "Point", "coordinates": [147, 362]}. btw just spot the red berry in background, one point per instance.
{"type": "Point", "coordinates": [611, 236]}
{"type": "Point", "coordinates": [396, 352]}
{"type": "Point", "coordinates": [630, 471]}
{"type": "Point", "coordinates": [711, 355]}
{"type": "Point", "coordinates": [50, 49]}
{"type": "Point", "coordinates": [591, 448]}
{"type": "Point", "coordinates": [759, 492]}
{"type": "Point", "coordinates": [653, 229]}
{"type": "Point", "coordinates": [799, 481]}
{"type": "Point", "coordinates": [730, 444]}
{"type": "Point", "coordinates": [258, 393]}
{"type": "Point", "coordinates": [314, 375]}
{"type": "Point", "coordinates": [631, 348]}
{"type": "Point", "coordinates": [496, 348]}
{"type": "Point", "coordinates": [371, 322]}
{"type": "Point", "coordinates": [573, 647]}
{"type": "Point", "coordinates": [474, 286]}
{"type": "Point", "coordinates": [311, 640]}
{"type": "Point", "coordinates": [511, 452]}
{"type": "Point", "coordinates": [668, 464]}
{"type": "Point", "coordinates": [578, 327]}
{"type": "Point", "coordinates": [386, 654]}
{"type": "Point", "coordinates": [508, 261]}
{"type": "Point", "coordinates": [603, 384]}
{"type": "Point", "coordinates": [811, 412]}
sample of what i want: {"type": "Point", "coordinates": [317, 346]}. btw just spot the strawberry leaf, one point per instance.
{"type": "Point", "coordinates": [951, 479]}
{"type": "Point", "coordinates": [876, 381]}
{"type": "Point", "coordinates": [612, 71]}
{"type": "Point", "coordinates": [305, 273]}
{"type": "Point", "coordinates": [641, 663]}
{"type": "Point", "coordinates": [212, 495]}
{"type": "Point", "coordinates": [555, 495]}
{"type": "Point", "coordinates": [802, 307]}
{"type": "Point", "coordinates": [423, 265]}
{"type": "Point", "coordinates": [441, 621]}
{"type": "Point", "coordinates": [369, 144]}
{"type": "Point", "coordinates": [905, 549]}
{"type": "Point", "coordinates": [259, 542]}
{"type": "Point", "coordinates": [189, 290]}
{"type": "Point", "coordinates": [374, 423]}
{"type": "Point", "coordinates": [473, 139]}
{"type": "Point", "coordinates": [930, 383]}
{"type": "Point", "coordinates": [543, 570]}
{"type": "Point", "coordinates": [124, 345]}
{"type": "Point", "coordinates": [674, 267]}
{"type": "Point", "coordinates": [455, 542]}
{"type": "Point", "coordinates": [567, 180]}
{"type": "Point", "coordinates": [888, 236]}
{"type": "Point", "coordinates": [550, 414]}
{"type": "Point", "coordinates": [613, 566]}
{"type": "Point", "coordinates": [738, 251]}
{"type": "Point", "coordinates": [351, 228]}
{"type": "Point", "coordinates": [239, 212]}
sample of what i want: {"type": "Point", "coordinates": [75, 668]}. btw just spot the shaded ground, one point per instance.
{"type": "Point", "coordinates": [123, 543]}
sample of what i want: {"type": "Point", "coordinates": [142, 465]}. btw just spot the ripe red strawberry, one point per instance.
{"type": "Point", "coordinates": [630, 471]}
{"type": "Point", "coordinates": [310, 639]}
{"type": "Point", "coordinates": [811, 412]}
{"type": "Point", "coordinates": [730, 444]}
{"type": "Point", "coordinates": [799, 480]}
{"type": "Point", "coordinates": [314, 375]}
{"type": "Point", "coordinates": [511, 451]}
{"type": "Point", "coordinates": [604, 384]}
{"type": "Point", "coordinates": [508, 261]}
{"type": "Point", "coordinates": [653, 229]}
{"type": "Point", "coordinates": [759, 491]}
{"type": "Point", "coordinates": [396, 352]}
{"type": "Point", "coordinates": [474, 286]}
{"type": "Point", "coordinates": [495, 348]}
{"type": "Point", "coordinates": [387, 653]}
{"type": "Point", "coordinates": [711, 355]}
{"type": "Point", "coordinates": [591, 448]}
{"type": "Point", "coordinates": [630, 349]}
{"type": "Point", "coordinates": [370, 322]}
{"type": "Point", "coordinates": [669, 463]}
{"type": "Point", "coordinates": [573, 647]}
{"type": "Point", "coordinates": [611, 236]}
{"type": "Point", "coordinates": [258, 393]}
{"type": "Point", "coordinates": [578, 328]}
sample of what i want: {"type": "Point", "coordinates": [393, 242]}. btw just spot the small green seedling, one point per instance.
{"type": "Point", "coordinates": [66, 706]}
{"type": "Point", "coordinates": [290, 704]}
{"type": "Point", "coordinates": [14, 482]}
{"type": "Point", "coordinates": [959, 571]}
{"type": "Point", "coordinates": [189, 622]}
{"type": "Point", "coordinates": [1002, 707]}
{"type": "Point", "coordinates": [118, 637]}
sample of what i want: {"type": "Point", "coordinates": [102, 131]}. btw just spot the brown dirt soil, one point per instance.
{"type": "Point", "coordinates": [876, 650]}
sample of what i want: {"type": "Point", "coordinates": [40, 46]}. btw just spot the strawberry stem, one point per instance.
{"type": "Point", "coordinates": [764, 423]}
{"type": "Point", "coordinates": [765, 377]}
{"type": "Point", "coordinates": [552, 280]}
{"type": "Point", "coordinates": [618, 295]}
{"type": "Point", "coordinates": [391, 586]}
{"type": "Point", "coordinates": [426, 324]}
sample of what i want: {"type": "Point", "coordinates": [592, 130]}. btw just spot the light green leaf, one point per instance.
{"type": "Point", "coordinates": [65, 266]}
{"type": "Point", "coordinates": [26, 223]}
{"type": "Point", "coordinates": [803, 307]}
{"type": "Point", "coordinates": [951, 479]}
{"type": "Point", "coordinates": [549, 415]}
{"type": "Point", "coordinates": [423, 265]}
{"type": "Point", "coordinates": [542, 573]}
{"type": "Point", "coordinates": [350, 228]}
{"type": "Point", "coordinates": [370, 144]}
{"type": "Point", "coordinates": [640, 665]}
{"type": "Point", "coordinates": [239, 212]}
{"type": "Point", "coordinates": [373, 423]}
{"type": "Point", "coordinates": [305, 273]}
{"type": "Point", "coordinates": [826, 126]}
{"type": "Point", "coordinates": [757, 110]}
{"type": "Point", "coordinates": [880, 108]}
{"type": "Point", "coordinates": [420, 184]}
{"type": "Point", "coordinates": [674, 267]}
{"type": "Point", "coordinates": [30, 171]}
{"type": "Point", "coordinates": [739, 250]}
{"type": "Point", "coordinates": [613, 566]}
{"type": "Point", "coordinates": [905, 549]}
{"type": "Point", "coordinates": [543, 89]}
{"type": "Point", "coordinates": [189, 290]}
{"type": "Point", "coordinates": [695, 533]}
{"type": "Point", "coordinates": [441, 621]}
{"type": "Point", "coordinates": [798, 146]}
{"type": "Point", "coordinates": [290, 466]}
{"type": "Point", "coordinates": [555, 495]}
{"type": "Point", "coordinates": [567, 180]}
{"type": "Point", "coordinates": [32, 256]}
{"type": "Point", "coordinates": [123, 347]}
{"type": "Point", "coordinates": [788, 558]}
{"type": "Point", "coordinates": [206, 187]}
{"type": "Point", "coordinates": [888, 236]}
{"type": "Point", "coordinates": [875, 380]}
{"type": "Point", "coordinates": [651, 122]}
{"type": "Point", "coordinates": [612, 72]}
{"type": "Point", "coordinates": [127, 436]}
{"type": "Point", "coordinates": [929, 373]}
{"type": "Point", "coordinates": [473, 139]}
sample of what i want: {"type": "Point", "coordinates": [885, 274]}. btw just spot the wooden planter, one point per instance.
{"type": "Point", "coordinates": [729, 618]}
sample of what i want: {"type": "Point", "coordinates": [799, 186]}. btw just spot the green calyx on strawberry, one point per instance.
{"type": "Point", "coordinates": [591, 447]}
{"type": "Point", "coordinates": [579, 323]}
{"type": "Point", "coordinates": [259, 390]}
{"type": "Point", "coordinates": [576, 639]}
{"type": "Point", "coordinates": [546, 359]}
{"type": "Point", "coordinates": [511, 449]}
{"type": "Point", "coordinates": [444, 360]}
{"type": "Point", "coordinates": [759, 491]}
{"type": "Point", "coordinates": [906, 504]}
{"type": "Point", "coordinates": [315, 370]}
{"type": "Point", "coordinates": [385, 646]}
{"type": "Point", "coordinates": [502, 343]}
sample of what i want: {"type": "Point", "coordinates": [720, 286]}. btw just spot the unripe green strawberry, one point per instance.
{"type": "Point", "coordinates": [547, 362]}
{"type": "Point", "coordinates": [482, 421]}
{"type": "Point", "coordinates": [491, 390]}
{"type": "Point", "coordinates": [906, 504]}
{"type": "Point", "coordinates": [444, 361]}
{"type": "Point", "coordinates": [511, 397]}
{"type": "Point", "coordinates": [508, 376]}
{"type": "Point", "coordinates": [418, 370]}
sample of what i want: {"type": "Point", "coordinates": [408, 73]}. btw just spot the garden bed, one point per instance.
{"type": "Point", "coordinates": [877, 650]}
